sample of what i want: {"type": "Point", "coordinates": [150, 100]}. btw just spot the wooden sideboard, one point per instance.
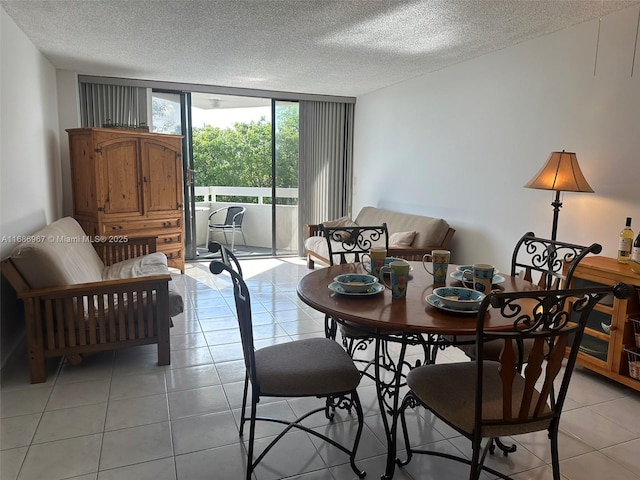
{"type": "Point", "coordinates": [610, 330]}
{"type": "Point", "coordinates": [128, 183]}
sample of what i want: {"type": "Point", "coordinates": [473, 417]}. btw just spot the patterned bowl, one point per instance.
{"type": "Point", "coordinates": [459, 298]}
{"type": "Point", "coordinates": [355, 282]}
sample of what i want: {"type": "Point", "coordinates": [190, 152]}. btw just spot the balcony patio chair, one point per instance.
{"type": "Point", "coordinates": [232, 224]}
{"type": "Point", "coordinates": [313, 367]}
{"type": "Point", "coordinates": [486, 399]}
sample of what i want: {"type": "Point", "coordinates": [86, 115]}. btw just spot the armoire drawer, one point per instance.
{"type": "Point", "coordinates": [151, 226]}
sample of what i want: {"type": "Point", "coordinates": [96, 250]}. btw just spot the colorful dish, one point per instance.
{"type": "Point", "coordinates": [434, 301]}
{"type": "Point", "coordinates": [462, 268]}
{"type": "Point", "coordinates": [373, 290]}
{"type": "Point", "coordinates": [496, 278]}
{"type": "Point", "coordinates": [355, 282]}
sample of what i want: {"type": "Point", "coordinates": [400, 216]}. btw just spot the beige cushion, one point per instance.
{"type": "Point", "coordinates": [343, 236]}
{"type": "Point", "coordinates": [449, 389]}
{"type": "Point", "coordinates": [315, 366]}
{"type": "Point", "coordinates": [430, 231]}
{"type": "Point", "coordinates": [402, 239]}
{"type": "Point", "coordinates": [60, 255]}
{"type": "Point", "coordinates": [147, 266]}
{"type": "Point", "coordinates": [144, 266]}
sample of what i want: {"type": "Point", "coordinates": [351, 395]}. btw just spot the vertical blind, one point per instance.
{"type": "Point", "coordinates": [115, 104]}
{"type": "Point", "coordinates": [326, 163]}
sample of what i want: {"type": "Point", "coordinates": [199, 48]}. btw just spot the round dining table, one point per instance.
{"type": "Point", "coordinates": [414, 320]}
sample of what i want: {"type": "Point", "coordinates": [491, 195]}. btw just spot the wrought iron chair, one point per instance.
{"type": "Point", "coordinates": [226, 256]}
{"type": "Point", "coordinates": [347, 245]}
{"type": "Point", "coordinates": [551, 261]}
{"type": "Point", "coordinates": [486, 399]}
{"type": "Point", "coordinates": [314, 367]}
{"type": "Point", "coordinates": [550, 265]}
{"type": "Point", "coordinates": [547, 263]}
{"type": "Point", "coordinates": [232, 224]}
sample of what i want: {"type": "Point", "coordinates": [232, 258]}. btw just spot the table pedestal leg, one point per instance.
{"type": "Point", "coordinates": [388, 398]}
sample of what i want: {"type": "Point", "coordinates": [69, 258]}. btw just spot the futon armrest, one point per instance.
{"type": "Point", "coordinates": [314, 230]}
{"type": "Point", "coordinates": [106, 287]}
{"type": "Point", "coordinates": [114, 248]}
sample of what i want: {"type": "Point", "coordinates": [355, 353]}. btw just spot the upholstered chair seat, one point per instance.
{"type": "Point", "coordinates": [315, 366]}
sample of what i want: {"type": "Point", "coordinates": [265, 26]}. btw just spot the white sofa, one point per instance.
{"type": "Point", "coordinates": [431, 233]}
{"type": "Point", "coordinates": [82, 296]}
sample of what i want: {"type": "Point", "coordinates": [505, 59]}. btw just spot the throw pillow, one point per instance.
{"type": "Point", "coordinates": [401, 239]}
{"type": "Point", "coordinates": [342, 236]}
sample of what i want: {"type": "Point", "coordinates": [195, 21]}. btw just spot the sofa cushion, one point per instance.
{"type": "Point", "coordinates": [58, 254]}
{"type": "Point", "coordinates": [401, 239]}
{"type": "Point", "coordinates": [343, 236]}
{"type": "Point", "coordinates": [430, 231]}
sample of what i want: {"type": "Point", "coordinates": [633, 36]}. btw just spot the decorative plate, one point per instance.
{"type": "Point", "coordinates": [496, 278]}
{"type": "Point", "coordinates": [373, 290]}
{"type": "Point", "coordinates": [434, 301]}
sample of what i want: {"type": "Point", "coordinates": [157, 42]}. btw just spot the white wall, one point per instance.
{"type": "Point", "coordinates": [460, 143]}
{"type": "Point", "coordinates": [30, 174]}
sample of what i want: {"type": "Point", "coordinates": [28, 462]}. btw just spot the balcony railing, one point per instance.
{"type": "Point", "coordinates": [257, 220]}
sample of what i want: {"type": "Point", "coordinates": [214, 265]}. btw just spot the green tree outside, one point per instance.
{"type": "Point", "coordinates": [240, 156]}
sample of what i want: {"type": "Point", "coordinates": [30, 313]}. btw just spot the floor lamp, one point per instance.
{"type": "Point", "coordinates": [562, 174]}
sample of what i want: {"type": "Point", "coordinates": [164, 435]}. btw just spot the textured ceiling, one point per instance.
{"type": "Point", "coordinates": [340, 47]}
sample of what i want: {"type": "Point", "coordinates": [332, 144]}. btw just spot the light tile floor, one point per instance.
{"type": "Point", "coordinates": [120, 416]}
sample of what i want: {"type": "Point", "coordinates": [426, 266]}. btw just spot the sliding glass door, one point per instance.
{"type": "Point", "coordinates": [285, 130]}
{"type": "Point", "coordinates": [243, 152]}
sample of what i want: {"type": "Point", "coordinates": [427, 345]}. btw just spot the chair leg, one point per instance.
{"type": "Point", "coordinates": [409, 400]}
{"type": "Point", "coordinates": [476, 468]}
{"type": "Point", "coordinates": [355, 399]}
{"type": "Point", "coordinates": [330, 327]}
{"type": "Point", "coordinates": [506, 449]}
{"type": "Point", "coordinates": [555, 458]}
{"type": "Point", "coordinates": [252, 436]}
{"type": "Point", "coordinates": [244, 403]}
{"type": "Point", "coordinates": [243, 239]}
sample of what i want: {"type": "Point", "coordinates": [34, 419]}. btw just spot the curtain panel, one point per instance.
{"type": "Point", "coordinates": [326, 163]}
{"type": "Point", "coordinates": [112, 104]}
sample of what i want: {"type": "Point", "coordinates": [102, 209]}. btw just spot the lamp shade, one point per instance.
{"type": "Point", "coordinates": [560, 173]}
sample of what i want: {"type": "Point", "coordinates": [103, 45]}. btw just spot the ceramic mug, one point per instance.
{"type": "Point", "coordinates": [376, 256]}
{"type": "Point", "coordinates": [440, 260]}
{"type": "Point", "coordinates": [480, 277]}
{"type": "Point", "coordinates": [398, 277]}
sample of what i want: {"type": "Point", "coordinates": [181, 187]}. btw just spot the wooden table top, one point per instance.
{"type": "Point", "coordinates": [411, 315]}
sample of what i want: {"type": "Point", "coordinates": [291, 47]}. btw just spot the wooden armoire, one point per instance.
{"type": "Point", "coordinates": [128, 183]}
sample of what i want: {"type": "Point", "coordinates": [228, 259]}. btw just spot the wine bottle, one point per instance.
{"type": "Point", "coordinates": [635, 250]}
{"type": "Point", "coordinates": [625, 242]}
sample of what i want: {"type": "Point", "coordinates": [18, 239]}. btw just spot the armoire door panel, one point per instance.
{"type": "Point", "coordinates": [83, 175]}
{"type": "Point", "coordinates": [120, 170]}
{"type": "Point", "coordinates": [162, 172]}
